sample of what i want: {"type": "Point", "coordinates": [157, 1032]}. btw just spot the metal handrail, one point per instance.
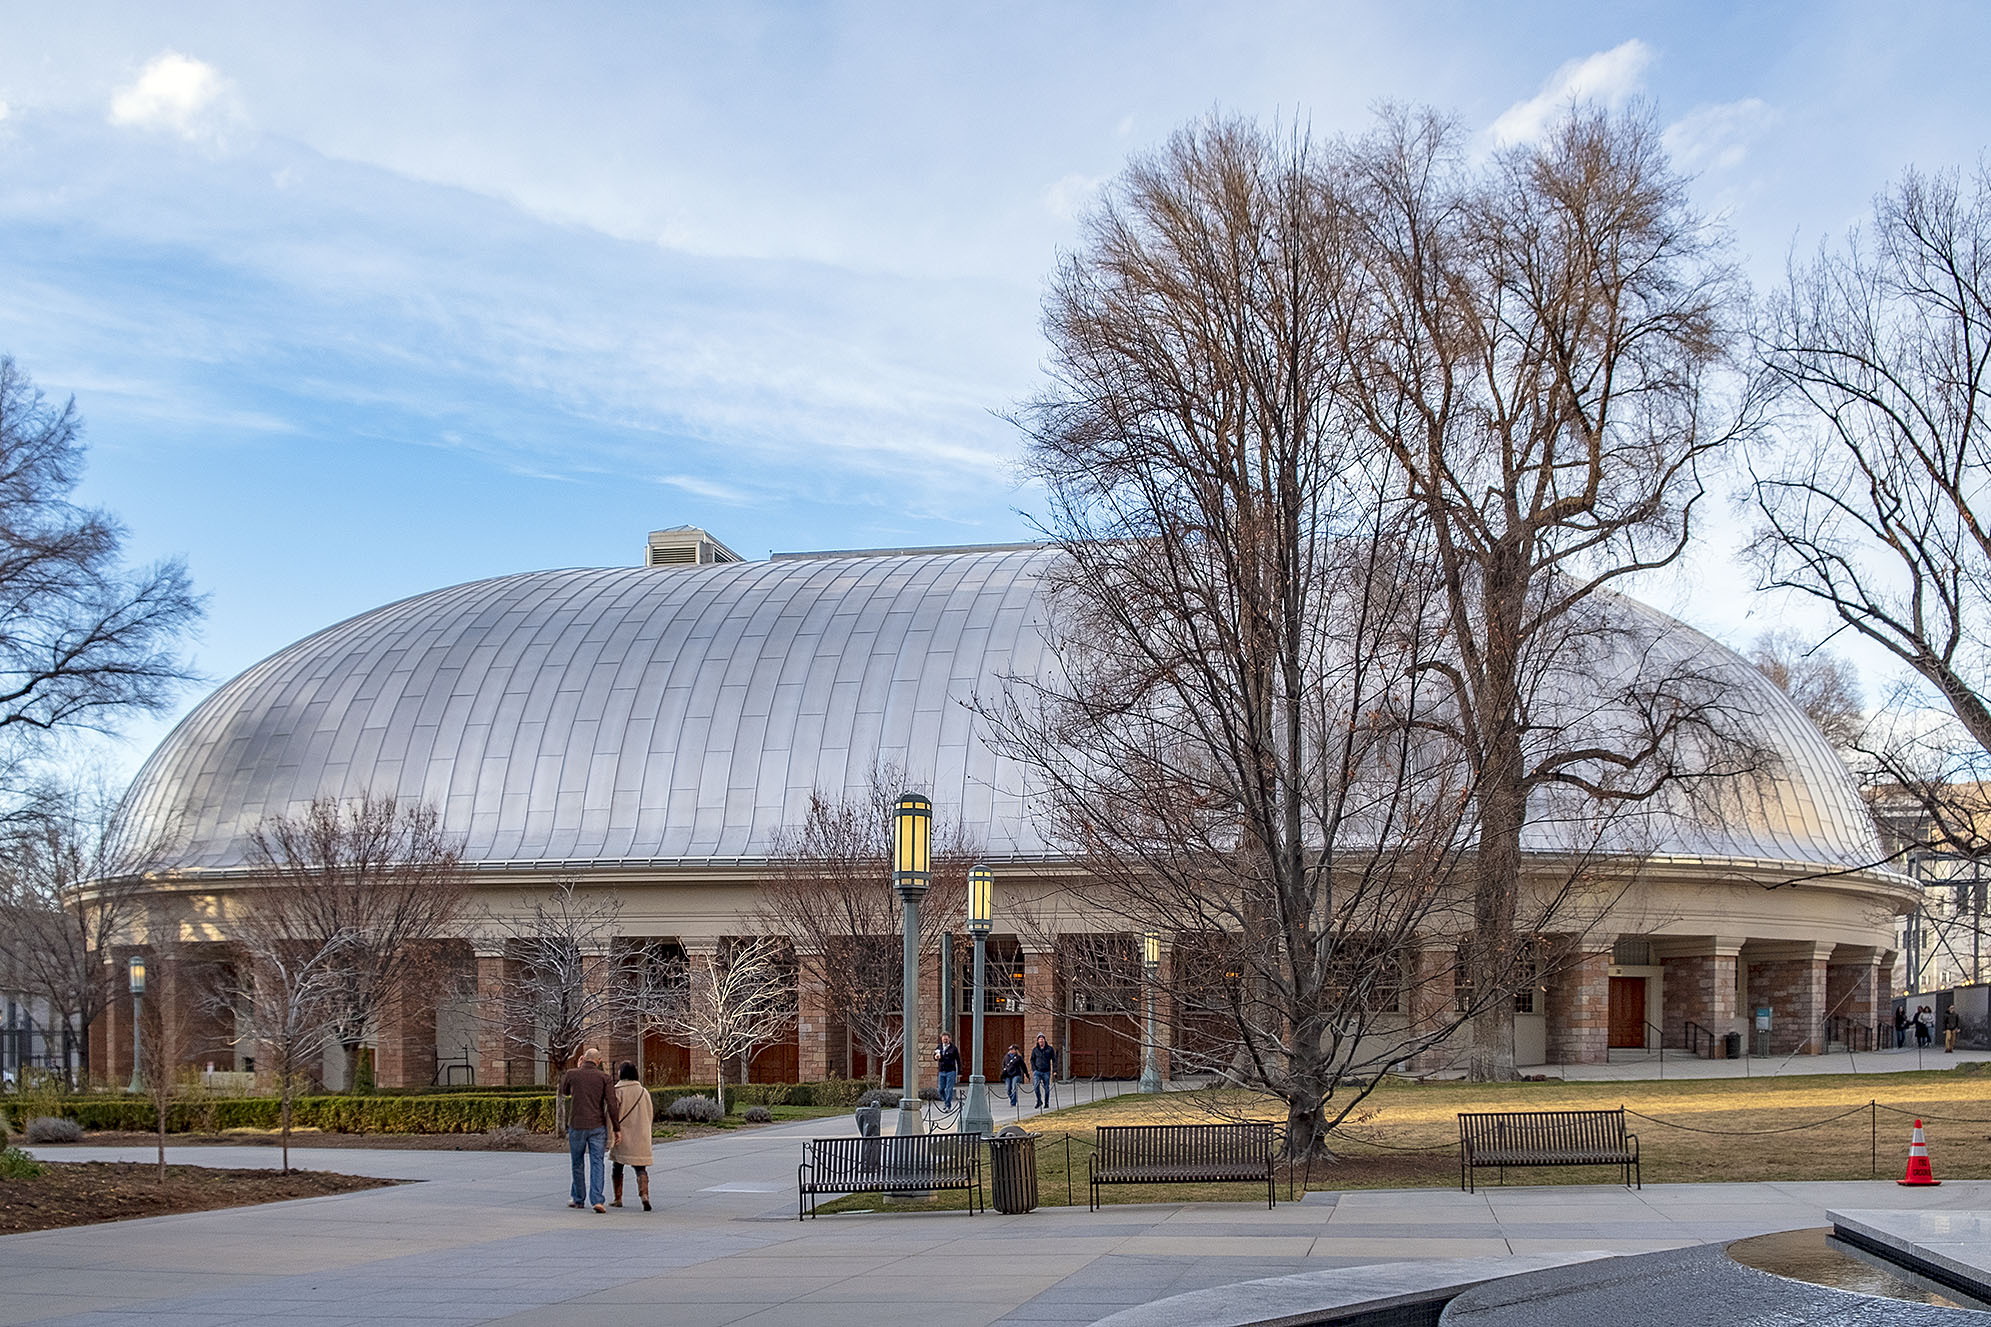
{"type": "Point", "coordinates": [1692, 1032]}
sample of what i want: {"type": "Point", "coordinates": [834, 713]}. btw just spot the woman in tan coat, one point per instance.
{"type": "Point", "coordinates": [636, 1117]}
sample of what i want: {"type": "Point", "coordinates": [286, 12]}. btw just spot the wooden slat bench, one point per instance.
{"type": "Point", "coordinates": [1183, 1154]}
{"type": "Point", "coordinates": [1546, 1138]}
{"type": "Point", "coordinates": [916, 1163]}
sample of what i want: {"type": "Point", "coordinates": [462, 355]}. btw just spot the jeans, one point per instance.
{"type": "Point", "coordinates": [1041, 1080]}
{"type": "Point", "coordinates": [1011, 1083]}
{"type": "Point", "coordinates": [948, 1077]}
{"type": "Point", "coordinates": [593, 1144]}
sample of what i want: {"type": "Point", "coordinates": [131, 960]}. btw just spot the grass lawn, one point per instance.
{"type": "Point", "coordinates": [1406, 1134]}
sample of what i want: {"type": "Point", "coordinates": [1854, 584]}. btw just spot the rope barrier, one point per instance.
{"type": "Point", "coordinates": [1925, 1115]}
{"type": "Point", "coordinates": [1748, 1133]}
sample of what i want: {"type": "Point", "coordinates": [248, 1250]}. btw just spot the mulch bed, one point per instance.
{"type": "Point", "coordinates": [81, 1193]}
{"type": "Point", "coordinates": [413, 1142]}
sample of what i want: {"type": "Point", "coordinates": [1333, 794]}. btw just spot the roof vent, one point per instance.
{"type": "Point", "coordinates": [686, 546]}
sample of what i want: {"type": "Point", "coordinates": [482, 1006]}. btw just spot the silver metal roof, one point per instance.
{"type": "Point", "coordinates": [648, 715]}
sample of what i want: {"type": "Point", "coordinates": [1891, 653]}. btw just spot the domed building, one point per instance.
{"type": "Point", "coordinates": [649, 731]}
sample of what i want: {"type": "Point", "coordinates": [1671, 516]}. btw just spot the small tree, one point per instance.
{"type": "Point", "coordinates": [168, 1025]}
{"type": "Point", "coordinates": [572, 981]}
{"type": "Point", "coordinates": [830, 891]}
{"type": "Point", "coordinates": [283, 1000]}
{"type": "Point", "coordinates": [373, 880]}
{"type": "Point", "coordinates": [740, 1001]}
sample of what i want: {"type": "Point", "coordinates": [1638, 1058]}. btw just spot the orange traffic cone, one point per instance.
{"type": "Point", "coordinates": [1918, 1161]}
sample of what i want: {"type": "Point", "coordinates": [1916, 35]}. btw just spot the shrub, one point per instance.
{"type": "Point", "coordinates": [929, 1094]}
{"type": "Point", "coordinates": [511, 1138]}
{"type": "Point", "coordinates": [17, 1165]}
{"type": "Point", "coordinates": [53, 1129]}
{"type": "Point", "coordinates": [758, 1115]}
{"type": "Point", "coordinates": [880, 1096]}
{"type": "Point", "coordinates": [702, 1110]}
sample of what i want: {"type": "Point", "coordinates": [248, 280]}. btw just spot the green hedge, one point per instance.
{"type": "Point", "coordinates": [436, 1112]}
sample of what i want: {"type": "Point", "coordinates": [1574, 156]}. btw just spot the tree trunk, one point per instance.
{"type": "Point", "coordinates": [285, 1130]}
{"type": "Point", "coordinates": [719, 1090]}
{"type": "Point", "coordinates": [160, 1102]}
{"type": "Point", "coordinates": [349, 1051]}
{"type": "Point", "coordinates": [1497, 883]}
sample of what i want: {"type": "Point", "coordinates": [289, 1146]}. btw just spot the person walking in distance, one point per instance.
{"type": "Point", "coordinates": [1043, 1063]}
{"type": "Point", "coordinates": [1900, 1026]}
{"type": "Point", "coordinates": [636, 1119]}
{"type": "Point", "coordinates": [948, 1058]}
{"type": "Point", "coordinates": [1951, 1024]}
{"type": "Point", "coordinates": [1012, 1070]}
{"type": "Point", "coordinates": [590, 1125]}
{"type": "Point", "coordinates": [1924, 1026]}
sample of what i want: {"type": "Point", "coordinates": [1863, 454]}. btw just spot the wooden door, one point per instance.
{"type": "Point", "coordinates": [1105, 1046]}
{"type": "Point", "coordinates": [1627, 1012]}
{"type": "Point", "coordinates": [776, 1062]}
{"type": "Point", "coordinates": [664, 1062]}
{"type": "Point", "coordinates": [998, 1030]}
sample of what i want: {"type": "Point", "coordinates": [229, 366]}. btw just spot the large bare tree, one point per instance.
{"type": "Point", "coordinates": [830, 892]}
{"type": "Point", "coordinates": [574, 982]}
{"type": "Point", "coordinates": [741, 1000]}
{"type": "Point", "coordinates": [1542, 342]}
{"type": "Point", "coordinates": [1235, 740]}
{"type": "Point", "coordinates": [84, 639]}
{"type": "Point", "coordinates": [374, 875]}
{"type": "Point", "coordinates": [1875, 505]}
{"type": "Point", "coordinates": [72, 884]}
{"type": "Point", "coordinates": [1819, 681]}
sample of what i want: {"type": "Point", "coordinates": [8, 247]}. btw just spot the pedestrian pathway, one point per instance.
{"type": "Point", "coordinates": [1678, 1064]}
{"type": "Point", "coordinates": [487, 1237]}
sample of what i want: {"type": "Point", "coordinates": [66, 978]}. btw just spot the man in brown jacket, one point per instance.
{"type": "Point", "coordinates": [591, 1124]}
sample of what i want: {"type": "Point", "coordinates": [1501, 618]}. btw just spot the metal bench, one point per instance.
{"type": "Point", "coordinates": [1546, 1138]}
{"type": "Point", "coordinates": [1182, 1154]}
{"type": "Point", "coordinates": [913, 1164]}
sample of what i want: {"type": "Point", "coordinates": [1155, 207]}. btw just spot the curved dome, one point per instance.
{"type": "Point", "coordinates": [648, 715]}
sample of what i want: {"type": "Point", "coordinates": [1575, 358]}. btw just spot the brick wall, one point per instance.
{"type": "Point", "coordinates": [1429, 1003]}
{"type": "Point", "coordinates": [1579, 1010]}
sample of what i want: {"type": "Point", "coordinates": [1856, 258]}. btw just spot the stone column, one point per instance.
{"type": "Point", "coordinates": [1790, 979]}
{"type": "Point", "coordinates": [495, 1052]}
{"type": "Point", "coordinates": [812, 1019]}
{"type": "Point", "coordinates": [1700, 988]}
{"type": "Point", "coordinates": [1579, 1010]}
{"type": "Point", "coordinates": [405, 1045]}
{"type": "Point", "coordinates": [1430, 1001]}
{"type": "Point", "coordinates": [699, 957]}
{"type": "Point", "coordinates": [1853, 992]}
{"type": "Point", "coordinates": [110, 1035]}
{"type": "Point", "coordinates": [1040, 1004]}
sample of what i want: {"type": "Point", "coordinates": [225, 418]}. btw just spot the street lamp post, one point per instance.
{"type": "Point", "coordinates": [912, 873]}
{"type": "Point", "coordinates": [1151, 961]}
{"type": "Point", "coordinates": [976, 1116]}
{"type": "Point", "coordinates": [136, 969]}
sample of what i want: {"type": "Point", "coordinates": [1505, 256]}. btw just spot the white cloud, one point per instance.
{"type": "Point", "coordinates": [1608, 77]}
{"type": "Point", "coordinates": [1717, 137]}
{"type": "Point", "coordinates": [177, 93]}
{"type": "Point", "coordinates": [3, 110]}
{"type": "Point", "coordinates": [701, 488]}
{"type": "Point", "coordinates": [1072, 194]}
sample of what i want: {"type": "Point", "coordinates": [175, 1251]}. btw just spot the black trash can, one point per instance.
{"type": "Point", "coordinates": [1731, 1046]}
{"type": "Point", "coordinates": [1013, 1171]}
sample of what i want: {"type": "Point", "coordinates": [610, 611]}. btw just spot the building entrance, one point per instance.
{"type": "Point", "coordinates": [1627, 1013]}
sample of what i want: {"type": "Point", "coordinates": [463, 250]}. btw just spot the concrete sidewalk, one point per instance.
{"type": "Point", "coordinates": [487, 1237]}
{"type": "Point", "coordinates": [1678, 1064]}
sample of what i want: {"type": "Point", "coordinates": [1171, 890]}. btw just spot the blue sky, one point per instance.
{"type": "Point", "coordinates": [358, 301]}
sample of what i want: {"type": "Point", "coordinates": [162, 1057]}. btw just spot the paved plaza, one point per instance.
{"type": "Point", "coordinates": [487, 1237]}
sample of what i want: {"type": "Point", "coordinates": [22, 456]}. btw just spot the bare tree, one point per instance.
{"type": "Point", "coordinates": [378, 876]}
{"type": "Point", "coordinates": [283, 998]}
{"type": "Point", "coordinates": [1820, 682]}
{"type": "Point", "coordinates": [169, 1031]}
{"type": "Point", "coordinates": [742, 1000]}
{"type": "Point", "coordinates": [1875, 507]}
{"type": "Point", "coordinates": [1236, 740]}
{"type": "Point", "coordinates": [1542, 343]}
{"type": "Point", "coordinates": [573, 982]}
{"type": "Point", "coordinates": [72, 868]}
{"type": "Point", "coordinates": [830, 892]}
{"type": "Point", "coordinates": [84, 639]}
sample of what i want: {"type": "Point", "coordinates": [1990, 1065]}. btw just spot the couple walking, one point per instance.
{"type": "Point", "coordinates": [612, 1115]}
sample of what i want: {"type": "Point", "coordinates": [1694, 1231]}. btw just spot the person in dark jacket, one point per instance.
{"type": "Point", "coordinates": [948, 1057]}
{"type": "Point", "coordinates": [1012, 1070]}
{"type": "Point", "coordinates": [1951, 1025]}
{"type": "Point", "coordinates": [591, 1125]}
{"type": "Point", "coordinates": [1900, 1026]}
{"type": "Point", "coordinates": [1925, 1026]}
{"type": "Point", "coordinates": [1043, 1063]}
